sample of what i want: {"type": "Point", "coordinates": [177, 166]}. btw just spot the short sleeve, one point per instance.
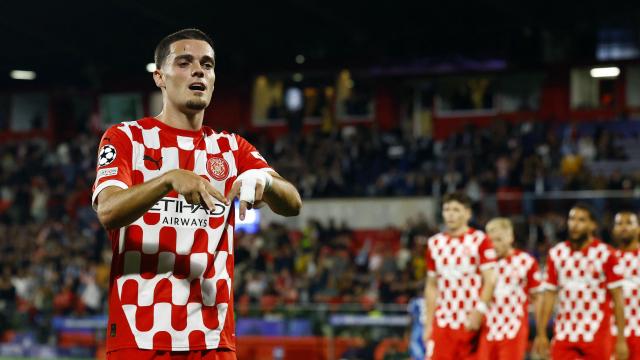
{"type": "Point", "coordinates": [534, 278]}
{"type": "Point", "coordinates": [487, 254]}
{"type": "Point", "coordinates": [550, 274]}
{"type": "Point", "coordinates": [113, 167]}
{"type": "Point", "coordinates": [248, 157]}
{"type": "Point", "coordinates": [613, 271]}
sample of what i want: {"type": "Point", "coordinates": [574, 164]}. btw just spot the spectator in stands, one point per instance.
{"type": "Point", "coordinates": [59, 256]}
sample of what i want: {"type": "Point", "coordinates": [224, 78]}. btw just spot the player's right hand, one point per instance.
{"type": "Point", "coordinates": [195, 189]}
{"type": "Point", "coordinates": [541, 347]}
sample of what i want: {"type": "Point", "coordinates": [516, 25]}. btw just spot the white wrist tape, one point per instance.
{"type": "Point", "coordinates": [482, 307]}
{"type": "Point", "coordinates": [250, 179]}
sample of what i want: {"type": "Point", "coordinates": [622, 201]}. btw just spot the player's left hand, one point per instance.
{"type": "Point", "coordinates": [250, 185]}
{"type": "Point", "coordinates": [622, 350]}
{"type": "Point", "coordinates": [474, 321]}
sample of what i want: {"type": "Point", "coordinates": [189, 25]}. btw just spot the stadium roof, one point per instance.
{"type": "Point", "coordinates": [86, 41]}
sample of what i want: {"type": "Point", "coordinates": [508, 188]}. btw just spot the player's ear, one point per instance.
{"type": "Point", "coordinates": [158, 77]}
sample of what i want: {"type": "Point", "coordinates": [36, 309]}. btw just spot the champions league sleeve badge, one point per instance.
{"type": "Point", "coordinates": [107, 155]}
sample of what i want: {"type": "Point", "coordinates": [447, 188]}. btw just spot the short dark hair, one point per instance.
{"type": "Point", "coordinates": [458, 196]}
{"type": "Point", "coordinates": [588, 208]}
{"type": "Point", "coordinates": [162, 50]}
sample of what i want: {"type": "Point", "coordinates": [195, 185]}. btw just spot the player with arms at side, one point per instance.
{"type": "Point", "coordinates": [164, 190]}
{"type": "Point", "coordinates": [626, 230]}
{"type": "Point", "coordinates": [506, 333]}
{"type": "Point", "coordinates": [460, 282]}
{"type": "Point", "coordinates": [583, 275]}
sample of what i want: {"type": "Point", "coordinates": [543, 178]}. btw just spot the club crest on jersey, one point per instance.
{"type": "Point", "coordinates": [106, 155]}
{"type": "Point", "coordinates": [218, 168]}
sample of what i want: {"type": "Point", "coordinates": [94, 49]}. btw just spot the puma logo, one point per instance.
{"type": "Point", "coordinates": [157, 162]}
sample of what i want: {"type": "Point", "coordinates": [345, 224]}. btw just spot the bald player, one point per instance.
{"type": "Point", "coordinates": [506, 332]}
{"type": "Point", "coordinates": [625, 234]}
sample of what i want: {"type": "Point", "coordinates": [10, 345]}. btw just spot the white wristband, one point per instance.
{"type": "Point", "coordinates": [249, 180]}
{"type": "Point", "coordinates": [482, 307]}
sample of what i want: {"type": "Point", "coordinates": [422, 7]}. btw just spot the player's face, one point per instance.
{"type": "Point", "coordinates": [580, 225]}
{"type": "Point", "coordinates": [188, 75]}
{"type": "Point", "coordinates": [502, 239]}
{"type": "Point", "coordinates": [625, 228]}
{"type": "Point", "coordinates": [455, 215]}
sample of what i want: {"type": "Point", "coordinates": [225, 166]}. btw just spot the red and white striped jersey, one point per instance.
{"type": "Point", "coordinates": [172, 269]}
{"type": "Point", "coordinates": [457, 263]}
{"type": "Point", "coordinates": [518, 275]}
{"type": "Point", "coordinates": [583, 279]}
{"type": "Point", "coordinates": [630, 268]}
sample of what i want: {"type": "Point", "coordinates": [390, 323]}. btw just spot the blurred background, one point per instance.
{"type": "Point", "coordinates": [373, 110]}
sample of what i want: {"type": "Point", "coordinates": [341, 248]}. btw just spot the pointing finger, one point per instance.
{"type": "Point", "coordinates": [207, 199]}
{"type": "Point", "coordinates": [235, 190]}
{"type": "Point", "coordinates": [243, 209]}
{"type": "Point", "coordinates": [215, 193]}
{"type": "Point", "coordinates": [259, 191]}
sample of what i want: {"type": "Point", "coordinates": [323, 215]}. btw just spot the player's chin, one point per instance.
{"type": "Point", "coordinates": [197, 104]}
{"type": "Point", "coordinates": [577, 237]}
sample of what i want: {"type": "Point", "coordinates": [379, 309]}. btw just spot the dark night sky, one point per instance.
{"type": "Point", "coordinates": [72, 41]}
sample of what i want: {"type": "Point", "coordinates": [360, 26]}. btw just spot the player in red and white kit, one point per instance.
{"type": "Point", "coordinates": [506, 333]}
{"type": "Point", "coordinates": [460, 281]}
{"type": "Point", "coordinates": [583, 274]}
{"type": "Point", "coordinates": [164, 191]}
{"type": "Point", "coordinates": [626, 230]}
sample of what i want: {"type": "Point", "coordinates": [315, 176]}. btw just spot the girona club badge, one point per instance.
{"type": "Point", "coordinates": [218, 168]}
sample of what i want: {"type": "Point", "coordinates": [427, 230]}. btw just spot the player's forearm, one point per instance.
{"type": "Point", "coordinates": [121, 207]}
{"type": "Point", "coordinates": [282, 197]}
{"type": "Point", "coordinates": [488, 285]}
{"type": "Point", "coordinates": [430, 295]}
{"type": "Point", "coordinates": [618, 310]}
{"type": "Point", "coordinates": [548, 299]}
{"type": "Point", "coordinates": [536, 302]}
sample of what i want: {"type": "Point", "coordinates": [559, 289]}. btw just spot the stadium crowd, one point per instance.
{"type": "Point", "coordinates": [535, 157]}
{"type": "Point", "coordinates": [54, 255]}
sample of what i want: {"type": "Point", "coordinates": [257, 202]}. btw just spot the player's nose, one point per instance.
{"type": "Point", "coordinates": [197, 71]}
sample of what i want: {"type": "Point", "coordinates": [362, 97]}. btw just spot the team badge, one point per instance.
{"type": "Point", "coordinates": [107, 155]}
{"type": "Point", "coordinates": [218, 168]}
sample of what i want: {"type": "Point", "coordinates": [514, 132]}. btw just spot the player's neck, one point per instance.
{"type": "Point", "coordinates": [631, 246]}
{"type": "Point", "coordinates": [180, 120]}
{"type": "Point", "coordinates": [581, 245]}
{"type": "Point", "coordinates": [458, 232]}
{"type": "Point", "coordinates": [507, 254]}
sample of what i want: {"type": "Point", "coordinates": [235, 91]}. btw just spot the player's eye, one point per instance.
{"type": "Point", "coordinates": [183, 64]}
{"type": "Point", "coordinates": [208, 66]}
